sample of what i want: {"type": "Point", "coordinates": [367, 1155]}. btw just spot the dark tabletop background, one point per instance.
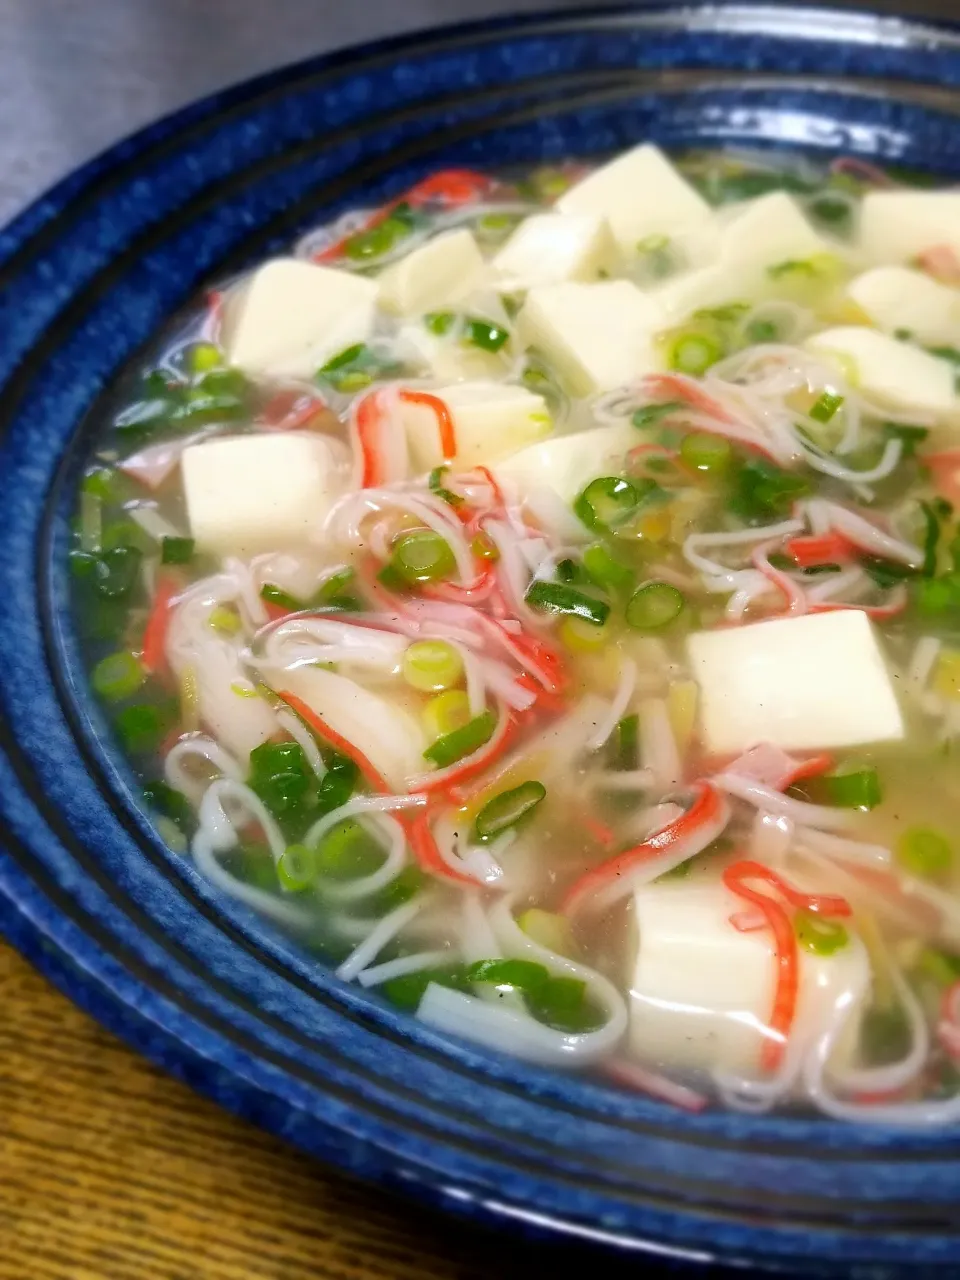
{"type": "Point", "coordinates": [108, 1169]}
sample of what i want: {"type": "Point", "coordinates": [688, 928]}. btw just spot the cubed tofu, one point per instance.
{"type": "Point", "coordinates": [597, 336]}
{"type": "Point", "coordinates": [290, 317]}
{"type": "Point", "coordinates": [813, 681]}
{"type": "Point", "coordinates": [387, 732]}
{"type": "Point", "coordinates": [437, 274]}
{"type": "Point", "coordinates": [490, 421]}
{"type": "Point", "coordinates": [260, 492]}
{"type": "Point", "coordinates": [566, 463]}
{"type": "Point", "coordinates": [702, 992]}
{"type": "Point", "coordinates": [706, 287]}
{"type": "Point", "coordinates": [640, 194]}
{"type": "Point", "coordinates": [550, 248]}
{"type": "Point", "coordinates": [445, 357]}
{"type": "Point", "coordinates": [896, 226]}
{"type": "Point", "coordinates": [770, 230]}
{"type": "Point", "coordinates": [896, 298]}
{"type": "Point", "coordinates": [899, 375]}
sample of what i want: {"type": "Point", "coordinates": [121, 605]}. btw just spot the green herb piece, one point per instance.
{"type": "Point", "coordinates": [885, 1036]}
{"type": "Point", "coordinates": [761, 493]}
{"type": "Point", "coordinates": [885, 573]}
{"type": "Point", "coordinates": [558, 597]}
{"type": "Point", "coordinates": [818, 935]}
{"type": "Point", "coordinates": [176, 550]}
{"type": "Point", "coordinates": [463, 741]}
{"type": "Point", "coordinates": [376, 241]}
{"type": "Point", "coordinates": [431, 666]}
{"type": "Point", "coordinates": [276, 595]}
{"type": "Point", "coordinates": [910, 436]}
{"type": "Point", "coordinates": [758, 331]}
{"type": "Point", "coordinates": [348, 852]}
{"type": "Point", "coordinates": [203, 357]}
{"type": "Point", "coordinates": [170, 803]}
{"type": "Point", "coordinates": [931, 539]}
{"type": "Point", "coordinates": [509, 809]}
{"type": "Point", "coordinates": [925, 852]}
{"type": "Point", "coordinates": [280, 776]}
{"type": "Point", "coordinates": [337, 784]}
{"type": "Point", "coordinates": [485, 334]}
{"type": "Point", "coordinates": [833, 210]}
{"type": "Point", "coordinates": [407, 991]}
{"type": "Point", "coordinates": [439, 323]}
{"type": "Point", "coordinates": [654, 605]}
{"type": "Point", "coordinates": [118, 676]}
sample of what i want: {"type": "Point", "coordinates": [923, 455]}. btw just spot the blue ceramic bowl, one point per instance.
{"type": "Point", "coordinates": [87, 891]}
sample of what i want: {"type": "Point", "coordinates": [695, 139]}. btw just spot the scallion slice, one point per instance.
{"type": "Point", "coordinates": [558, 597]}
{"type": "Point", "coordinates": [654, 605]}
{"type": "Point", "coordinates": [509, 809]}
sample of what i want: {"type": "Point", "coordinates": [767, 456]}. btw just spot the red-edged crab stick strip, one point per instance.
{"type": "Point", "coordinates": [448, 436]}
{"type": "Point", "coordinates": [153, 653]}
{"type": "Point", "coordinates": [441, 780]}
{"type": "Point", "coordinates": [427, 853]}
{"type": "Point", "coordinates": [371, 774]}
{"type": "Point", "coordinates": [780, 924]}
{"type": "Point", "coordinates": [605, 884]}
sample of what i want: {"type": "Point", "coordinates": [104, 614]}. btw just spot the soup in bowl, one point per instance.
{"type": "Point", "coordinates": [540, 597]}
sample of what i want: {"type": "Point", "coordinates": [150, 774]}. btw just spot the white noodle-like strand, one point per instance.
{"type": "Point", "coordinates": [384, 931]}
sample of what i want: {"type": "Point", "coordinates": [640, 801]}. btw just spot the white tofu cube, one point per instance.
{"type": "Point", "coordinates": [702, 992]}
{"type": "Point", "coordinates": [895, 298]}
{"type": "Point", "coordinates": [597, 336]}
{"type": "Point", "coordinates": [566, 463]}
{"type": "Point", "coordinates": [706, 287]}
{"type": "Point", "coordinates": [813, 681]}
{"type": "Point", "coordinates": [769, 230]}
{"type": "Point", "coordinates": [447, 358]}
{"type": "Point", "coordinates": [447, 267]}
{"type": "Point", "coordinates": [640, 194]}
{"type": "Point", "coordinates": [387, 732]}
{"type": "Point", "coordinates": [490, 420]}
{"type": "Point", "coordinates": [896, 226]}
{"type": "Point", "coordinates": [899, 375]}
{"type": "Point", "coordinates": [260, 492]}
{"type": "Point", "coordinates": [290, 317]}
{"type": "Point", "coordinates": [549, 248]}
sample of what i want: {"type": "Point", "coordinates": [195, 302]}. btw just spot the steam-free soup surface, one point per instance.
{"type": "Point", "coordinates": [541, 598]}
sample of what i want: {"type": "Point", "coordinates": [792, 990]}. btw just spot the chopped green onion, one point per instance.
{"type": "Point", "coordinates": [569, 571]}
{"type": "Point", "coordinates": [176, 550]}
{"type": "Point", "coordinates": [91, 521]}
{"type": "Point", "coordinates": [651, 414]}
{"type": "Point", "coordinates": [910, 437]}
{"type": "Point", "coordinates": [118, 676]}
{"type": "Point", "coordinates": [607, 502]}
{"type": "Point", "coordinates": [203, 357]}
{"type": "Point", "coordinates": [831, 209]}
{"type": "Point", "coordinates": [786, 564]}
{"type": "Point", "coordinates": [758, 331]}
{"type": "Point", "coordinates": [582, 636]}
{"type": "Point", "coordinates": [144, 725]}
{"type": "Point", "coordinates": [169, 802]}
{"type": "Point", "coordinates": [813, 570]}
{"type": "Point", "coordinates": [439, 322]}
{"type": "Point", "coordinates": [931, 539]}
{"type": "Point", "coordinates": [654, 605]}
{"type": "Point", "coordinates": [102, 483]}
{"type": "Point", "coordinates": [937, 595]}
{"type": "Point", "coordinates": [486, 335]}
{"type": "Point", "coordinates": [885, 1035]}
{"type": "Point", "coordinates": [626, 741]}
{"type": "Point", "coordinates": [422, 556]}
{"type": "Point", "coordinates": [561, 1003]}
{"type": "Point", "coordinates": [821, 936]}
{"type": "Point", "coordinates": [462, 742]}
{"type": "Point", "coordinates": [694, 353]}
{"type": "Point", "coordinates": [604, 568]}
{"type": "Point", "coordinates": [549, 929]}
{"type": "Point", "coordinates": [280, 776]}
{"type": "Point", "coordinates": [435, 482]}
{"type": "Point", "coordinates": [276, 595]}
{"type": "Point", "coordinates": [938, 966]}
{"type": "Point", "coordinates": [557, 597]}
{"type": "Point", "coordinates": [407, 991]}
{"type": "Point", "coordinates": [855, 789]}
{"type": "Point", "coordinates": [297, 867]}
{"type": "Point", "coordinates": [522, 974]}
{"type": "Point", "coordinates": [432, 665]}
{"type": "Point", "coordinates": [484, 547]}
{"type": "Point", "coordinates": [705, 452]}
{"type": "Point", "coordinates": [447, 711]}
{"type": "Point", "coordinates": [792, 267]}
{"type": "Point", "coordinates": [116, 572]}
{"type": "Point", "coordinates": [825, 407]}
{"type": "Point", "coordinates": [924, 852]}
{"type": "Point", "coordinates": [347, 852]}
{"type": "Point", "coordinates": [225, 620]}
{"type": "Point", "coordinates": [374, 242]}
{"type": "Point", "coordinates": [337, 784]}
{"type": "Point", "coordinates": [509, 809]}
{"type": "Point", "coordinates": [885, 573]}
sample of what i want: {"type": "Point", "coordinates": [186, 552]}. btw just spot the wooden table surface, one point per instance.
{"type": "Point", "coordinates": [111, 1170]}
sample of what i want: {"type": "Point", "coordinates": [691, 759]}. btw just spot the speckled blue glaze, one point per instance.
{"type": "Point", "coordinates": [87, 275]}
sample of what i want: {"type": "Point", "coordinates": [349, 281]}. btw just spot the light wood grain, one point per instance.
{"type": "Point", "coordinates": [110, 1170]}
